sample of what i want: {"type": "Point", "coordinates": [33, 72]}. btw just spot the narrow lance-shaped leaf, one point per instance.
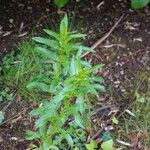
{"type": "Point", "coordinates": [52, 43]}
{"type": "Point", "coordinates": [79, 121]}
{"type": "Point", "coordinates": [73, 67]}
{"type": "Point", "coordinates": [30, 135]}
{"type": "Point", "coordinates": [64, 26]}
{"type": "Point", "coordinates": [136, 4]}
{"type": "Point", "coordinates": [79, 52]}
{"type": "Point", "coordinates": [80, 105]}
{"type": "Point", "coordinates": [69, 139]}
{"type": "Point", "coordinates": [78, 47]}
{"type": "Point", "coordinates": [60, 3]}
{"type": "Point", "coordinates": [96, 67]}
{"type": "Point", "coordinates": [86, 64]}
{"type": "Point", "coordinates": [97, 79]}
{"type": "Point", "coordinates": [53, 147]}
{"type": "Point", "coordinates": [46, 145]}
{"type": "Point", "coordinates": [46, 53]}
{"type": "Point", "coordinates": [1, 117]}
{"type": "Point", "coordinates": [51, 107]}
{"type": "Point", "coordinates": [76, 36]}
{"type": "Point", "coordinates": [39, 85]}
{"type": "Point", "coordinates": [51, 33]}
{"type": "Point", "coordinates": [99, 87]}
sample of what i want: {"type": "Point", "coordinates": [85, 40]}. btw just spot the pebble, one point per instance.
{"type": "Point", "coordinates": [117, 82]}
{"type": "Point", "coordinates": [1, 139]}
{"type": "Point", "coordinates": [122, 72]}
{"type": "Point", "coordinates": [11, 20]}
{"type": "Point", "coordinates": [26, 123]}
{"type": "Point", "coordinates": [13, 138]}
{"type": "Point", "coordinates": [116, 86]}
{"type": "Point", "coordinates": [29, 8]}
{"type": "Point", "coordinates": [47, 9]}
{"type": "Point", "coordinates": [123, 90]}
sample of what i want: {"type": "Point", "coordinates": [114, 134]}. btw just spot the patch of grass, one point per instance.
{"type": "Point", "coordinates": [136, 118]}
{"type": "Point", "coordinates": [17, 70]}
{"type": "Point", "coordinates": [141, 109]}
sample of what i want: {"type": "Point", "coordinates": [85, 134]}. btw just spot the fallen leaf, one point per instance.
{"type": "Point", "coordinates": [108, 145]}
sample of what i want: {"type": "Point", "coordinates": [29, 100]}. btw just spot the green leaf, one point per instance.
{"type": "Point", "coordinates": [76, 148]}
{"type": "Point", "coordinates": [1, 117]}
{"type": "Point", "coordinates": [81, 47]}
{"type": "Point", "coordinates": [79, 52]}
{"type": "Point", "coordinates": [81, 105]}
{"type": "Point", "coordinates": [73, 67]}
{"type": "Point", "coordinates": [85, 64]}
{"type": "Point", "coordinates": [38, 85]}
{"type": "Point", "coordinates": [136, 4]}
{"type": "Point", "coordinates": [52, 43]}
{"type": "Point", "coordinates": [85, 48]}
{"type": "Point", "coordinates": [69, 139]}
{"type": "Point", "coordinates": [79, 121]}
{"type": "Point", "coordinates": [96, 67]}
{"type": "Point", "coordinates": [46, 145]}
{"type": "Point", "coordinates": [54, 148]}
{"type": "Point", "coordinates": [30, 135]}
{"type": "Point", "coordinates": [115, 120]}
{"type": "Point", "coordinates": [50, 108]}
{"type": "Point", "coordinates": [60, 3]}
{"type": "Point", "coordinates": [46, 53]}
{"type": "Point", "coordinates": [64, 26]}
{"type": "Point", "coordinates": [45, 117]}
{"type": "Point", "coordinates": [51, 33]}
{"type": "Point", "coordinates": [76, 36]}
{"type": "Point", "coordinates": [97, 79]}
{"type": "Point", "coordinates": [33, 147]}
{"type": "Point", "coordinates": [92, 145]}
{"type": "Point", "coordinates": [108, 145]}
{"type": "Point", "coordinates": [99, 87]}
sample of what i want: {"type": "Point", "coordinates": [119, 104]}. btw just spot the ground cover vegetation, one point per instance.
{"type": "Point", "coordinates": [61, 87]}
{"type": "Point", "coordinates": [54, 68]}
{"type": "Point", "coordinates": [136, 4]}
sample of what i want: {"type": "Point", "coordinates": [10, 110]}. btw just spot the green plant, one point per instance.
{"type": "Point", "coordinates": [17, 70]}
{"type": "Point", "coordinates": [136, 4]}
{"type": "Point", "coordinates": [64, 117]}
{"type": "Point", "coordinates": [60, 3]}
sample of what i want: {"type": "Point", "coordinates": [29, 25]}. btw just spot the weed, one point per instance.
{"type": "Point", "coordinates": [18, 70]}
{"type": "Point", "coordinates": [62, 118]}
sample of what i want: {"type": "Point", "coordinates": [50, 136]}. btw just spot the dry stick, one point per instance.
{"type": "Point", "coordinates": [19, 114]}
{"type": "Point", "coordinates": [104, 37]}
{"type": "Point", "coordinates": [95, 135]}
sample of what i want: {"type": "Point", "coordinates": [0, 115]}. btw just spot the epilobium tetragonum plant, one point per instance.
{"type": "Point", "coordinates": [61, 123]}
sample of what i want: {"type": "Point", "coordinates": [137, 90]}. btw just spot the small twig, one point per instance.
{"type": "Point", "coordinates": [100, 4]}
{"type": "Point", "coordinates": [102, 108]}
{"type": "Point", "coordinates": [104, 37]}
{"type": "Point", "coordinates": [20, 113]}
{"type": "Point", "coordinates": [95, 135]}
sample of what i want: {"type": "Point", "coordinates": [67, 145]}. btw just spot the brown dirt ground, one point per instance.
{"type": "Point", "coordinates": [125, 52]}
